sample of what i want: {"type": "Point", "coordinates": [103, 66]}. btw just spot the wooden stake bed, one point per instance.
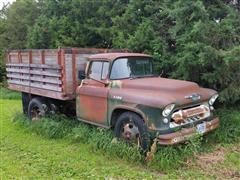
{"type": "Point", "coordinates": [48, 72]}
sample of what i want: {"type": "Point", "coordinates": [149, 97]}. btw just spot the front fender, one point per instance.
{"type": "Point", "coordinates": [130, 107]}
{"type": "Point", "coordinates": [151, 116]}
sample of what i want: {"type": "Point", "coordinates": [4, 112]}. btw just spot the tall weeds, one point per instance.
{"type": "Point", "coordinates": [102, 140]}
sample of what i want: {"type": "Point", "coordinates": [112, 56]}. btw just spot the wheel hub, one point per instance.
{"type": "Point", "coordinates": [130, 132]}
{"type": "Point", "coordinates": [36, 113]}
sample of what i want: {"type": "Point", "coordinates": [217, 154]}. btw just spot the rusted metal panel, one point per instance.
{"type": "Point", "coordinates": [63, 76]}
{"type": "Point", "coordinates": [74, 71]}
{"type": "Point", "coordinates": [186, 133]}
{"type": "Point", "coordinates": [92, 103]}
{"type": "Point", "coordinates": [114, 55]}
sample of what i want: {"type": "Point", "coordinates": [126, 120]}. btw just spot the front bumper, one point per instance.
{"type": "Point", "coordinates": [185, 133]}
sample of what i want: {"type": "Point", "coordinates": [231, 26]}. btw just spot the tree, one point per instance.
{"type": "Point", "coordinates": [192, 40]}
{"type": "Point", "coordinates": [19, 16]}
{"type": "Point", "coordinates": [15, 20]}
{"type": "Point", "coordinates": [205, 38]}
{"type": "Point", "coordinates": [75, 23]}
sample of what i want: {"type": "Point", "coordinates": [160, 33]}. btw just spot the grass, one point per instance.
{"type": "Point", "coordinates": [59, 147]}
{"type": "Point", "coordinates": [8, 94]}
{"type": "Point", "coordinates": [27, 153]}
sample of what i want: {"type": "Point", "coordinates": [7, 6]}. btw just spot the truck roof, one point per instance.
{"type": "Point", "coordinates": [113, 56]}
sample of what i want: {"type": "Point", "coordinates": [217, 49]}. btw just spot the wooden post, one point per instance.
{"type": "Point", "coordinates": [30, 57]}
{"type": "Point", "coordinates": [74, 70]}
{"type": "Point", "coordinates": [42, 57]}
{"type": "Point", "coordinates": [64, 81]}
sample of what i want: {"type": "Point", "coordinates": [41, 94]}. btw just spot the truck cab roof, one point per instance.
{"type": "Point", "coordinates": [113, 56]}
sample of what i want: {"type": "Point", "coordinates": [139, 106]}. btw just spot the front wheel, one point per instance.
{"type": "Point", "coordinates": [131, 128]}
{"type": "Point", "coordinates": [37, 108]}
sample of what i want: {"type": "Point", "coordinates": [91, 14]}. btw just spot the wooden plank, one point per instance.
{"type": "Point", "coordinates": [42, 86]}
{"type": "Point", "coordinates": [41, 92]}
{"type": "Point", "coordinates": [39, 79]}
{"type": "Point", "coordinates": [37, 72]}
{"type": "Point", "coordinates": [68, 73]}
{"type": "Point", "coordinates": [46, 66]}
{"type": "Point", "coordinates": [51, 57]}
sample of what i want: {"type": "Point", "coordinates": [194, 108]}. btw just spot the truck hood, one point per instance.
{"type": "Point", "coordinates": [160, 84]}
{"type": "Point", "coordinates": [159, 92]}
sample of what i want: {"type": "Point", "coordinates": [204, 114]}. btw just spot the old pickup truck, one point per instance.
{"type": "Point", "coordinates": [111, 89]}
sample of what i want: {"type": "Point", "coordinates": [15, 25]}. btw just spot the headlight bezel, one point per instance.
{"type": "Point", "coordinates": [168, 109]}
{"type": "Point", "coordinates": [212, 100]}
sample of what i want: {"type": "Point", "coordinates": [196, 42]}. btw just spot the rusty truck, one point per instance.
{"type": "Point", "coordinates": [111, 89]}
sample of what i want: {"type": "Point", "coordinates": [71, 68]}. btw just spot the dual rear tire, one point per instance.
{"type": "Point", "coordinates": [37, 108]}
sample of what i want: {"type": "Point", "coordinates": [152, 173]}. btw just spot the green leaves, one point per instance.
{"type": "Point", "coordinates": [18, 18]}
{"type": "Point", "coordinates": [192, 40]}
{"type": "Point", "coordinates": [206, 46]}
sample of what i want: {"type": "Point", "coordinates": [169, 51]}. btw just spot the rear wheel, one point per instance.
{"type": "Point", "coordinates": [37, 108]}
{"type": "Point", "coordinates": [131, 128]}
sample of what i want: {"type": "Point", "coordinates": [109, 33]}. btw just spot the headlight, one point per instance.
{"type": "Point", "coordinates": [168, 109]}
{"type": "Point", "coordinates": [212, 99]}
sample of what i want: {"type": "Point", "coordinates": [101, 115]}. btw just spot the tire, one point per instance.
{"type": "Point", "coordinates": [37, 109]}
{"type": "Point", "coordinates": [131, 123]}
{"type": "Point", "coordinates": [25, 102]}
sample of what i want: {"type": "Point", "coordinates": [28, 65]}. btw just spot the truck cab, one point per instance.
{"type": "Point", "coordinates": [122, 91]}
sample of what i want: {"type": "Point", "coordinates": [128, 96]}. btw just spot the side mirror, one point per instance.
{"type": "Point", "coordinates": [81, 74]}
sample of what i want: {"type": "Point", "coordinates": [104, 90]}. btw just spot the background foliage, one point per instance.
{"type": "Point", "coordinates": [193, 40]}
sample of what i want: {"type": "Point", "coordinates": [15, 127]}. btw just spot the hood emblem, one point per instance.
{"type": "Point", "coordinates": [193, 97]}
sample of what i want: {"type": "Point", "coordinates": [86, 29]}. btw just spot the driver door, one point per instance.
{"type": "Point", "coordinates": [92, 103]}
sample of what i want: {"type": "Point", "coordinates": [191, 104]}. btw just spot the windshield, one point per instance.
{"type": "Point", "coordinates": [132, 67]}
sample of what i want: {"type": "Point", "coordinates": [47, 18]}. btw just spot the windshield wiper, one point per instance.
{"type": "Point", "coordinates": [143, 76]}
{"type": "Point", "coordinates": [151, 75]}
{"type": "Point", "coordinates": [135, 77]}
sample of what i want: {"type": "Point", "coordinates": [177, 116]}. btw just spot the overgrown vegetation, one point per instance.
{"type": "Point", "coordinates": [60, 126]}
{"type": "Point", "coordinates": [192, 40]}
{"type": "Point", "coordinates": [165, 159]}
{"type": "Point", "coordinates": [8, 94]}
{"type": "Point", "coordinates": [229, 131]}
{"type": "Point", "coordinates": [26, 153]}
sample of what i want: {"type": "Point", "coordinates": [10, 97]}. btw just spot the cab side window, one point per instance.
{"type": "Point", "coordinates": [98, 70]}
